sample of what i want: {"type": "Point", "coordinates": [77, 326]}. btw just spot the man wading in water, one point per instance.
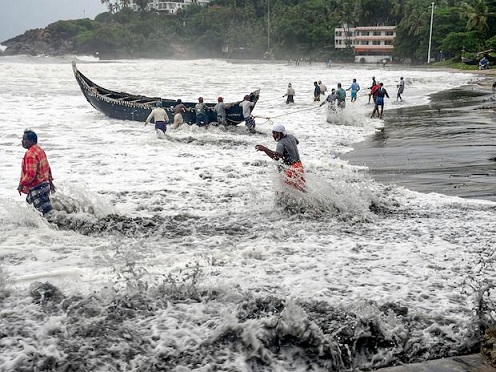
{"type": "Point", "coordinates": [287, 150]}
{"type": "Point", "coordinates": [36, 176]}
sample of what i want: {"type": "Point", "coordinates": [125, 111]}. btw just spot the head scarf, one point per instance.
{"type": "Point", "coordinates": [279, 128]}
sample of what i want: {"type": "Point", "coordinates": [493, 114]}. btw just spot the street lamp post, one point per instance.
{"type": "Point", "coordinates": [430, 34]}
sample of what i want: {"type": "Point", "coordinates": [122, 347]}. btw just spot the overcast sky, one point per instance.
{"type": "Point", "coordinates": [18, 16]}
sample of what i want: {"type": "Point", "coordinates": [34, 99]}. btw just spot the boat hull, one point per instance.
{"type": "Point", "coordinates": [126, 106]}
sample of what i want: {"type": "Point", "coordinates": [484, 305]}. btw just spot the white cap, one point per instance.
{"type": "Point", "coordinates": [278, 128]}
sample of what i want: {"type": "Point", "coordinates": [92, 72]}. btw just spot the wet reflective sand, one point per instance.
{"type": "Point", "coordinates": [445, 147]}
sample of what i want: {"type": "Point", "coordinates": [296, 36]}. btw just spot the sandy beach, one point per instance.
{"type": "Point", "coordinates": [444, 147]}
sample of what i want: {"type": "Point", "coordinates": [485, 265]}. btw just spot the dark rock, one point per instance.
{"type": "Point", "coordinates": [488, 346]}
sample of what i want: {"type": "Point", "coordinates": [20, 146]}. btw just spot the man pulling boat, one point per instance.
{"type": "Point", "coordinates": [287, 151]}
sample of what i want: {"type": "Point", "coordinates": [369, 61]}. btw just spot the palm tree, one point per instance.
{"type": "Point", "coordinates": [477, 14]}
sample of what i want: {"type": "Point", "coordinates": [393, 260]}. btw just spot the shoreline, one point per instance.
{"type": "Point", "coordinates": [443, 147]}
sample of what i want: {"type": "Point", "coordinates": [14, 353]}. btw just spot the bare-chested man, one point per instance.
{"type": "Point", "coordinates": [179, 109]}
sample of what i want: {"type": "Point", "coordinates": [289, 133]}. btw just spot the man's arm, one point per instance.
{"type": "Point", "coordinates": [272, 154]}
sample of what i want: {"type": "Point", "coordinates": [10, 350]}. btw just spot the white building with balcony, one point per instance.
{"type": "Point", "coordinates": [168, 6]}
{"type": "Point", "coordinates": [371, 44]}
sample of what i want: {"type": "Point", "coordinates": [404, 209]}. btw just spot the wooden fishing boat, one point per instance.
{"type": "Point", "coordinates": [126, 106]}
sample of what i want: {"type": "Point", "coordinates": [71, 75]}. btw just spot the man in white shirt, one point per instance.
{"type": "Point", "coordinates": [247, 106]}
{"type": "Point", "coordinates": [159, 117]}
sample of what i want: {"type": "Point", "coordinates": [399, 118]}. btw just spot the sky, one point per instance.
{"type": "Point", "coordinates": [18, 16]}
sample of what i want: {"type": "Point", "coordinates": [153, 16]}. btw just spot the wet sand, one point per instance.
{"type": "Point", "coordinates": [445, 147]}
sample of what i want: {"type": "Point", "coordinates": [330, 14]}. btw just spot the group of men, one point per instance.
{"type": "Point", "coordinates": [377, 93]}
{"type": "Point", "coordinates": [36, 179]}
{"type": "Point", "coordinates": [161, 118]}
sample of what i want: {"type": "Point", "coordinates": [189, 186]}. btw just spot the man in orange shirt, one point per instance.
{"type": "Point", "coordinates": [36, 176]}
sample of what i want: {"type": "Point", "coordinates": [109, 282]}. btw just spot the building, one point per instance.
{"type": "Point", "coordinates": [168, 6]}
{"type": "Point", "coordinates": [371, 44]}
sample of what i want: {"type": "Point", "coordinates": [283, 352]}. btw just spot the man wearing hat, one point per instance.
{"type": "Point", "coordinates": [287, 150]}
{"type": "Point", "coordinates": [201, 113]}
{"type": "Point", "coordinates": [220, 109]}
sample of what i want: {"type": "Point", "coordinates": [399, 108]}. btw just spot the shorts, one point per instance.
{"type": "Point", "coordinates": [160, 125]}
{"type": "Point", "coordinates": [290, 99]}
{"type": "Point", "coordinates": [250, 122]}
{"type": "Point", "coordinates": [221, 120]}
{"type": "Point", "coordinates": [353, 95]}
{"type": "Point", "coordinates": [294, 176]}
{"type": "Point", "coordinates": [39, 196]}
{"type": "Point", "coordinates": [201, 120]}
{"type": "Point", "coordinates": [379, 101]}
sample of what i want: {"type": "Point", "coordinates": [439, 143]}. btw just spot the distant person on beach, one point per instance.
{"type": "Point", "coordinates": [316, 91]}
{"type": "Point", "coordinates": [331, 100]}
{"type": "Point", "coordinates": [290, 93]}
{"type": "Point", "coordinates": [220, 109]}
{"type": "Point", "coordinates": [401, 88]}
{"type": "Point", "coordinates": [374, 90]}
{"type": "Point", "coordinates": [323, 88]}
{"type": "Point", "coordinates": [179, 110]}
{"type": "Point", "coordinates": [379, 101]}
{"type": "Point", "coordinates": [36, 176]}
{"type": "Point", "coordinates": [247, 106]}
{"type": "Point", "coordinates": [483, 63]}
{"type": "Point", "coordinates": [374, 83]}
{"type": "Point", "coordinates": [159, 117]}
{"type": "Point", "coordinates": [494, 87]}
{"type": "Point", "coordinates": [341, 93]}
{"type": "Point", "coordinates": [287, 151]}
{"type": "Point", "coordinates": [201, 113]}
{"type": "Point", "coordinates": [354, 87]}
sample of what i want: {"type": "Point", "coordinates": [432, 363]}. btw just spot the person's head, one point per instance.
{"type": "Point", "coordinates": [333, 90]}
{"type": "Point", "coordinates": [314, 83]}
{"type": "Point", "coordinates": [158, 104]}
{"type": "Point", "coordinates": [289, 85]}
{"type": "Point", "coordinates": [278, 131]}
{"type": "Point", "coordinates": [179, 101]}
{"type": "Point", "coordinates": [401, 78]}
{"type": "Point", "coordinates": [339, 85]}
{"type": "Point", "coordinates": [200, 99]}
{"type": "Point", "coordinates": [247, 97]}
{"type": "Point", "coordinates": [354, 80]}
{"type": "Point", "coordinates": [381, 85]}
{"type": "Point", "coordinates": [29, 139]}
{"type": "Point", "coordinates": [220, 99]}
{"type": "Point", "coordinates": [320, 81]}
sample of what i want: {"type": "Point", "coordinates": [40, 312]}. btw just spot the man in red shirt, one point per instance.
{"type": "Point", "coordinates": [36, 176]}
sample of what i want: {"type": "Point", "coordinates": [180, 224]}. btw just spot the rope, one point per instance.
{"type": "Point", "coordinates": [271, 119]}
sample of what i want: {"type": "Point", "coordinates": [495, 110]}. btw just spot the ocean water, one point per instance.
{"type": "Point", "coordinates": [178, 253]}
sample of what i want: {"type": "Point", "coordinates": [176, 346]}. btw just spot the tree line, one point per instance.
{"type": "Point", "coordinates": [284, 29]}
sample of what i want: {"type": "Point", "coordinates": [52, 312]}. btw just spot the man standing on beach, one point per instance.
{"type": "Point", "coordinates": [316, 91]}
{"type": "Point", "coordinates": [371, 87]}
{"type": "Point", "coordinates": [354, 87]}
{"type": "Point", "coordinates": [341, 94]}
{"type": "Point", "coordinates": [36, 175]}
{"type": "Point", "coordinates": [401, 88]}
{"type": "Point", "coordinates": [379, 101]}
{"type": "Point", "coordinates": [290, 93]}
